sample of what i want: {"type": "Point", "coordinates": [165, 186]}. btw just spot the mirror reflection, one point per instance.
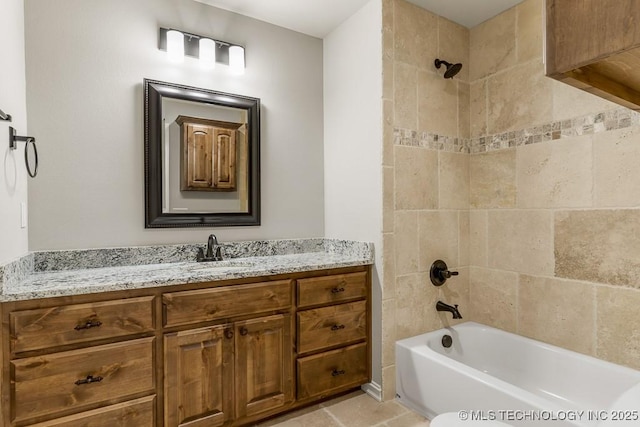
{"type": "Point", "coordinates": [205, 157]}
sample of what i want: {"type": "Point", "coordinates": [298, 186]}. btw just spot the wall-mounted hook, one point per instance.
{"type": "Point", "coordinates": [13, 145]}
{"type": "Point", "coordinates": [4, 116]}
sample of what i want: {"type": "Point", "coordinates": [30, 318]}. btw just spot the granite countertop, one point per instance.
{"type": "Point", "coordinates": [62, 273]}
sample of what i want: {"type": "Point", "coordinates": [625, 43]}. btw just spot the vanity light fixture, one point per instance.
{"type": "Point", "coordinates": [208, 51]}
{"type": "Point", "coordinates": [175, 45]}
{"type": "Point", "coordinates": [236, 59]}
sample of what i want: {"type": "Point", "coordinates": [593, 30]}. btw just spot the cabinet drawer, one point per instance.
{"type": "Point", "coordinates": [68, 324]}
{"type": "Point", "coordinates": [328, 289]}
{"type": "Point", "coordinates": [331, 326]}
{"type": "Point", "coordinates": [72, 380]}
{"type": "Point", "coordinates": [134, 413]}
{"type": "Point", "coordinates": [224, 302]}
{"type": "Point", "coordinates": [326, 373]}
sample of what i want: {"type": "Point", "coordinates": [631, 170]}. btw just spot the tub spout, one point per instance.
{"type": "Point", "coordinates": [440, 306]}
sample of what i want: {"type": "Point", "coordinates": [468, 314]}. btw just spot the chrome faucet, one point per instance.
{"type": "Point", "coordinates": [214, 250]}
{"type": "Point", "coordinates": [440, 306]}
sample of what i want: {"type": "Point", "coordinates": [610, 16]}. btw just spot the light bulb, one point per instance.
{"type": "Point", "coordinates": [236, 59]}
{"type": "Point", "coordinates": [175, 46]}
{"type": "Point", "coordinates": [207, 53]}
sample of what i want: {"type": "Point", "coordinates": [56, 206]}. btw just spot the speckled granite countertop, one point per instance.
{"type": "Point", "coordinates": [61, 273]}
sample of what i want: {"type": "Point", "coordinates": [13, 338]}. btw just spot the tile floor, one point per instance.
{"type": "Point", "coordinates": [356, 409]}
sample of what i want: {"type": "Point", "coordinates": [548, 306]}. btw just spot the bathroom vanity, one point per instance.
{"type": "Point", "coordinates": [237, 341]}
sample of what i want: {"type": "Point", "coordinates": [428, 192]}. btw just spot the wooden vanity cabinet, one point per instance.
{"type": "Point", "coordinates": [238, 369]}
{"type": "Point", "coordinates": [226, 353]}
{"type": "Point", "coordinates": [594, 45]}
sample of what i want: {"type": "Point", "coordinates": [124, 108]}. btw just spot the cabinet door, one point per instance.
{"type": "Point", "coordinates": [264, 368]}
{"type": "Point", "coordinates": [198, 377]}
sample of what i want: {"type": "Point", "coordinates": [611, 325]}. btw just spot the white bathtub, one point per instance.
{"type": "Point", "coordinates": [507, 377]}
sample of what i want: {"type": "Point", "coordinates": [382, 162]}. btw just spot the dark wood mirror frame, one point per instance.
{"type": "Point", "coordinates": [154, 92]}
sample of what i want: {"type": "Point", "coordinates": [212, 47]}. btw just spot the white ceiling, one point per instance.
{"type": "Point", "coordinates": [319, 17]}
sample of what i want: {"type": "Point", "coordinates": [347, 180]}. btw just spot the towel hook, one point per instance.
{"type": "Point", "coordinates": [13, 145]}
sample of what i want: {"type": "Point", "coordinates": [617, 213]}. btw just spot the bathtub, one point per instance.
{"type": "Point", "coordinates": [494, 374]}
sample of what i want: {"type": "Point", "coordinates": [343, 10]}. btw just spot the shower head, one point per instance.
{"type": "Point", "coordinates": [452, 69]}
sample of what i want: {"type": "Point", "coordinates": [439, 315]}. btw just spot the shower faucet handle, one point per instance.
{"type": "Point", "coordinates": [439, 272]}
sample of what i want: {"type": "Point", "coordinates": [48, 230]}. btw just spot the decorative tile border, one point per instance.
{"type": "Point", "coordinates": [618, 118]}
{"type": "Point", "coordinates": [430, 140]}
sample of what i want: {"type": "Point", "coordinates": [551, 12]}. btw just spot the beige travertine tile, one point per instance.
{"type": "Point", "coordinates": [493, 298]}
{"type": "Point", "coordinates": [310, 416]}
{"type": "Point", "coordinates": [570, 102]}
{"type": "Point", "coordinates": [318, 418]}
{"type": "Point", "coordinates": [438, 237]}
{"type": "Point", "coordinates": [616, 173]}
{"type": "Point", "coordinates": [454, 180]}
{"type": "Point", "coordinates": [415, 35]}
{"type": "Point", "coordinates": [493, 179]}
{"type": "Point", "coordinates": [529, 30]}
{"type": "Point", "coordinates": [464, 231]}
{"type": "Point", "coordinates": [493, 45]}
{"type": "Point", "coordinates": [389, 382]}
{"type": "Point", "coordinates": [521, 240]}
{"type": "Point", "coordinates": [388, 198]}
{"type": "Point", "coordinates": [453, 46]}
{"type": "Point", "coordinates": [387, 132]}
{"type": "Point", "coordinates": [364, 411]}
{"type": "Point", "coordinates": [388, 332]}
{"type": "Point", "coordinates": [555, 174]}
{"type": "Point", "coordinates": [519, 98]}
{"type": "Point", "coordinates": [388, 266]}
{"type": "Point", "coordinates": [437, 104]}
{"type": "Point", "coordinates": [478, 224]}
{"type": "Point", "coordinates": [406, 242]}
{"type": "Point", "coordinates": [416, 178]}
{"type": "Point", "coordinates": [387, 78]}
{"type": "Point", "coordinates": [558, 312]}
{"type": "Point", "coordinates": [387, 29]}
{"type": "Point", "coordinates": [410, 419]}
{"type": "Point", "coordinates": [478, 108]}
{"type": "Point", "coordinates": [405, 92]}
{"type": "Point", "coordinates": [463, 110]}
{"type": "Point", "coordinates": [618, 325]}
{"type": "Point", "coordinates": [414, 297]}
{"type": "Point", "coordinates": [598, 246]}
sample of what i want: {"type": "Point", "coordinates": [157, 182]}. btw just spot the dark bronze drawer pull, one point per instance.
{"type": "Point", "coordinates": [336, 290]}
{"type": "Point", "coordinates": [336, 372]}
{"type": "Point", "coordinates": [244, 331]}
{"type": "Point", "coordinates": [90, 324]}
{"type": "Point", "coordinates": [90, 379]}
{"type": "Point", "coordinates": [337, 327]}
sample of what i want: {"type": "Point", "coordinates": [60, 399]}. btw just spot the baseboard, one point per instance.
{"type": "Point", "coordinates": [373, 389]}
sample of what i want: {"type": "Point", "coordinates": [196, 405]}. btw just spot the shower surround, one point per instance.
{"type": "Point", "coordinates": [527, 186]}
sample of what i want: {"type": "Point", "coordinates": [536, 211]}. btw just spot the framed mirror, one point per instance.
{"type": "Point", "coordinates": [202, 157]}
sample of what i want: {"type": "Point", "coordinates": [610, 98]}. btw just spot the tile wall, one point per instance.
{"type": "Point", "coordinates": [554, 198]}
{"type": "Point", "coordinates": [425, 173]}
{"type": "Point", "coordinates": [529, 187]}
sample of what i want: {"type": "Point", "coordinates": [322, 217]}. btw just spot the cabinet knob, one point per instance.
{"type": "Point", "coordinates": [336, 372]}
{"type": "Point", "coordinates": [93, 323]}
{"type": "Point", "coordinates": [337, 327]}
{"type": "Point", "coordinates": [228, 333]}
{"type": "Point", "coordinates": [90, 379]}
{"type": "Point", "coordinates": [244, 331]}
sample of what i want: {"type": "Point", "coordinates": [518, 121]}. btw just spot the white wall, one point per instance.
{"type": "Point", "coordinates": [353, 141]}
{"type": "Point", "coordinates": [13, 175]}
{"type": "Point", "coordinates": [86, 60]}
